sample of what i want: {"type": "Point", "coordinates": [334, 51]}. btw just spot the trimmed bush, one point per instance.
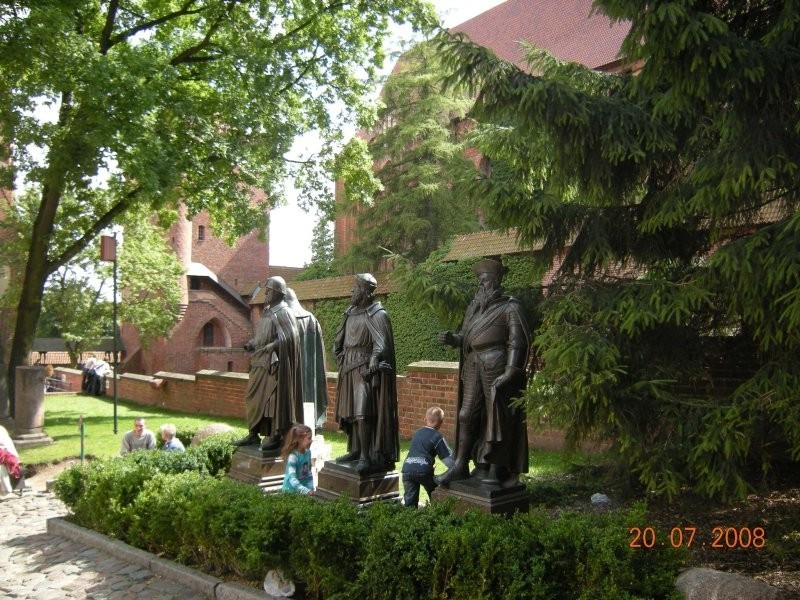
{"type": "Point", "coordinates": [336, 550]}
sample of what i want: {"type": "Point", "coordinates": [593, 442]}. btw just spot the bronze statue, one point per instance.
{"type": "Point", "coordinates": [494, 342]}
{"type": "Point", "coordinates": [312, 352]}
{"type": "Point", "coordinates": [274, 398]}
{"type": "Point", "coordinates": [366, 406]}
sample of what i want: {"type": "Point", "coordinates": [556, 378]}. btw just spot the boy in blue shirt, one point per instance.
{"type": "Point", "coordinates": [426, 444]}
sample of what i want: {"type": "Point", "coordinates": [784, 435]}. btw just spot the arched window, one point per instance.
{"type": "Point", "coordinates": [208, 334]}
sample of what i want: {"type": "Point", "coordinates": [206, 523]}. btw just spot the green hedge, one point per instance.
{"type": "Point", "coordinates": [335, 549]}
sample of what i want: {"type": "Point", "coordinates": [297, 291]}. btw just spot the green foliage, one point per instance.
{"type": "Point", "coordinates": [159, 102]}
{"type": "Point", "coordinates": [149, 273]}
{"type": "Point", "coordinates": [321, 264]}
{"type": "Point", "coordinates": [104, 490]}
{"type": "Point", "coordinates": [667, 201]}
{"type": "Point", "coordinates": [329, 558]}
{"type": "Point", "coordinates": [401, 551]}
{"type": "Point", "coordinates": [445, 289]}
{"type": "Point", "coordinates": [216, 452]}
{"type": "Point", "coordinates": [418, 153]}
{"type": "Point", "coordinates": [335, 549]}
{"type": "Point", "coordinates": [415, 331]}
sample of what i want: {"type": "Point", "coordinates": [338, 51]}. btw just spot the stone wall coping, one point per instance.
{"type": "Point", "coordinates": [222, 374]}
{"type": "Point", "coordinates": [174, 376]}
{"type": "Point", "coordinates": [136, 377]}
{"type": "Point", "coordinates": [433, 366]}
{"type": "Point", "coordinates": [69, 370]}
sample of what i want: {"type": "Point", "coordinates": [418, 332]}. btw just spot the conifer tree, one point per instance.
{"type": "Point", "coordinates": [418, 154]}
{"type": "Point", "coordinates": [668, 197]}
{"type": "Point", "coordinates": [321, 264]}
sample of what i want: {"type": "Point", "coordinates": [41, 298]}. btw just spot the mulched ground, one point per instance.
{"type": "Point", "coordinates": [758, 537]}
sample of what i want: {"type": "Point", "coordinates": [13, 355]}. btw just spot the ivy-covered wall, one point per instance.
{"type": "Point", "coordinates": [414, 329]}
{"type": "Point", "coordinates": [417, 318]}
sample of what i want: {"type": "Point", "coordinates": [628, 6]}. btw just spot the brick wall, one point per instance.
{"type": "Point", "coordinates": [426, 383]}
{"type": "Point", "coordinates": [247, 261]}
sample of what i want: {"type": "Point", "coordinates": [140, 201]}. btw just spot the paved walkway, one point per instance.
{"type": "Point", "coordinates": [38, 565]}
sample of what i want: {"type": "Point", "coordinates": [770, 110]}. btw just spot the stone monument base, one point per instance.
{"type": "Point", "coordinates": [489, 498]}
{"type": "Point", "coordinates": [31, 440]}
{"type": "Point", "coordinates": [264, 468]}
{"type": "Point", "coordinates": [342, 479]}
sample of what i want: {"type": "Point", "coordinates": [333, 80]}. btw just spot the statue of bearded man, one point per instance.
{"type": "Point", "coordinates": [494, 342]}
{"type": "Point", "coordinates": [366, 405]}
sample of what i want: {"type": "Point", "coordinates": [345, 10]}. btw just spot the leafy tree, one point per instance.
{"type": "Point", "coordinates": [149, 274]}
{"type": "Point", "coordinates": [418, 153]}
{"type": "Point", "coordinates": [75, 309]}
{"type": "Point", "coordinates": [673, 193]}
{"type": "Point", "coordinates": [77, 301]}
{"type": "Point", "coordinates": [197, 100]}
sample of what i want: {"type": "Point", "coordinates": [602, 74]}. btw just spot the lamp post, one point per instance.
{"type": "Point", "coordinates": [108, 252]}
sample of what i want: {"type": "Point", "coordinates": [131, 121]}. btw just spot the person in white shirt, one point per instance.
{"type": "Point", "coordinates": [140, 438]}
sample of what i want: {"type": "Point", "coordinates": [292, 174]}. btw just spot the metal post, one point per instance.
{"type": "Point", "coordinates": [108, 252]}
{"type": "Point", "coordinates": [114, 333]}
{"type": "Point", "coordinates": [83, 432]}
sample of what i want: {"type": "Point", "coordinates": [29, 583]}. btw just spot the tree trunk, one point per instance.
{"type": "Point", "coordinates": [36, 271]}
{"type": "Point", "coordinates": [5, 408]}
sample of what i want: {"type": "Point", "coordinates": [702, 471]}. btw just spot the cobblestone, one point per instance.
{"type": "Point", "coordinates": [41, 566]}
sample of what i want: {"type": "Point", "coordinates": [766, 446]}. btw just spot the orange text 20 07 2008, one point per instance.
{"type": "Point", "coordinates": [685, 536]}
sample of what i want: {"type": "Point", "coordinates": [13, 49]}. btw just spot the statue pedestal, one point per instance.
{"type": "Point", "coordinates": [341, 479]}
{"type": "Point", "coordinates": [264, 468]}
{"type": "Point", "coordinates": [491, 499]}
{"type": "Point", "coordinates": [29, 408]}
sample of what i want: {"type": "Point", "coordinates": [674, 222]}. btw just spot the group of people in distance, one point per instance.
{"type": "Point", "coordinates": [141, 438]}
{"type": "Point", "coordinates": [95, 371]}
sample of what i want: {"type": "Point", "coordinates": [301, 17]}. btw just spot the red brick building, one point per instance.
{"type": "Point", "coordinates": [216, 317]}
{"type": "Point", "coordinates": [571, 31]}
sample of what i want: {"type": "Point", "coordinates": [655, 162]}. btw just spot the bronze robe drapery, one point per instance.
{"type": "Point", "coordinates": [365, 333]}
{"type": "Point", "coordinates": [274, 398]}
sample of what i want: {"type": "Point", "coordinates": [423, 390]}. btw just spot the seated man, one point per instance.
{"type": "Point", "coordinates": [140, 438]}
{"type": "Point", "coordinates": [171, 443]}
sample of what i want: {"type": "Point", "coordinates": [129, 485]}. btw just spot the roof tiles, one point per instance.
{"type": "Point", "coordinates": [569, 29]}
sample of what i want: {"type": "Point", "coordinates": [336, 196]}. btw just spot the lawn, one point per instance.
{"type": "Point", "coordinates": [62, 413]}
{"type": "Point", "coordinates": [61, 422]}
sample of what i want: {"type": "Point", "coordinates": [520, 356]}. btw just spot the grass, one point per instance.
{"type": "Point", "coordinates": [61, 422]}
{"type": "Point", "coordinates": [62, 413]}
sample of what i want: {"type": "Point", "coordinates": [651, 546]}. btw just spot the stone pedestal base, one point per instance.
{"type": "Point", "coordinates": [31, 440]}
{"type": "Point", "coordinates": [264, 468]}
{"type": "Point", "coordinates": [491, 499]}
{"type": "Point", "coordinates": [337, 480]}
{"type": "Point", "coordinates": [29, 408]}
